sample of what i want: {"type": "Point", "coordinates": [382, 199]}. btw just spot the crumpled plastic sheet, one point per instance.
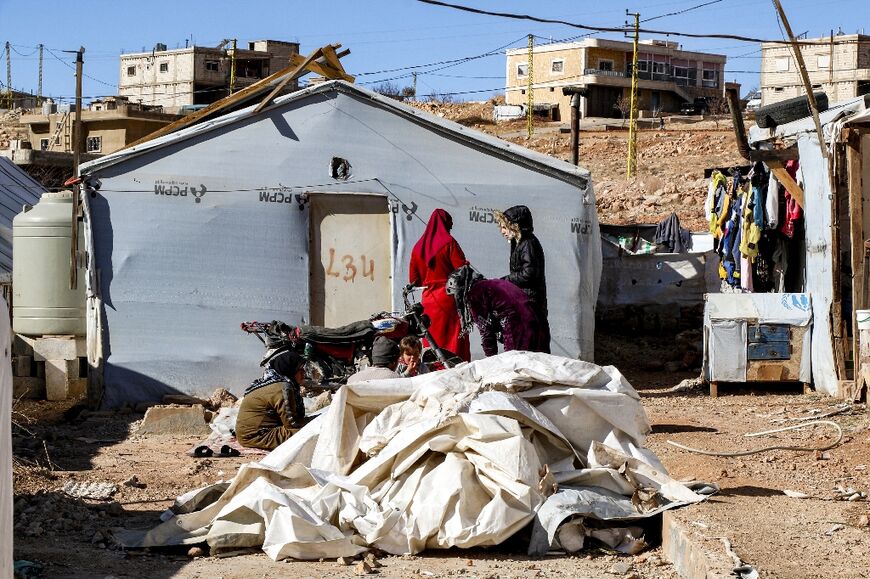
{"type": "Point", "coordinates": [445, 459]}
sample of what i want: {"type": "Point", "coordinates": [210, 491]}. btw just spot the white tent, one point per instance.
{"type": "Point", "coordinates": [305, 212]}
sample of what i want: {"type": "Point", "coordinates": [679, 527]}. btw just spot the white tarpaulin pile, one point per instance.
{"type": "Point", "coordinates": [460, 458]}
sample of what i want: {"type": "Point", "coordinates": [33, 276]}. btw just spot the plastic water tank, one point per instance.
{"type": "Point", "coordinates": [42, 303]}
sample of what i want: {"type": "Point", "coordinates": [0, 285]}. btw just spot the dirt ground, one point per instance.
{"type": "Point", "coordinates": [821, 535]}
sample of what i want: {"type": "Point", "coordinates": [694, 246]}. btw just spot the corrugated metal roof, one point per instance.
{"type": "Point", "coordinates": [17, 188]}
{"type": "Point", "coordinates": [532, 159]}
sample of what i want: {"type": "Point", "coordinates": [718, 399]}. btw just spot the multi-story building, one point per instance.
{"type": "Point", "coordinates": [199, 75]}
{"type": "Point", "coordinates": [667, 75]}
{"type": "Point", "coordinates": [838, 65]}
{"type": "Point", "coordinates": [108, 124]}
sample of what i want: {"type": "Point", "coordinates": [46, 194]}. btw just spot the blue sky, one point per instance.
{"type": "Point", "coordinates": [381, 34]}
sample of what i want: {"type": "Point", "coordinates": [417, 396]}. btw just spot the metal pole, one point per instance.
{"type": "Point", "coordinates": [77, 153]}
{"type": "Point", "coordinates": [39, 86]}
{"type": "Point", "coordinates": [233, 69]}
{"type": "Point", "coordinates": [9, 99]}
{"type": "Point", "coordinates": [631, 163]}
{"type": "Point", "coordinates": [530, 97]}
{"type": "Point", "coordinates": [575, 129]}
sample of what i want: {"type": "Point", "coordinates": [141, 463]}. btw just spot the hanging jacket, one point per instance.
{"type": "Point", "coordinates": [717, 180]}
{"type": "Point", "coordinates": [793, 210]}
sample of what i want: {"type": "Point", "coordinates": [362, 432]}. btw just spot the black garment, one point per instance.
{"type": "Point", "coordinates": [672, 237]}
{"type": "Point", "coordinates": [527, 267]}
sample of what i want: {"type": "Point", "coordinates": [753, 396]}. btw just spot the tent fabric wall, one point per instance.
{"type": "Point", "coordinates": [6, 559]}
{"type": "Point", "coordinates": [819, 265]}
{"type": "Point", "coordinates": [206, 228]}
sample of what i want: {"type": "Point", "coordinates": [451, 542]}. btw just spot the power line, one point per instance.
{"type": "Point", "coordinates": [621, 29]}
{"type": "Point", "coordinates": [677, 13]}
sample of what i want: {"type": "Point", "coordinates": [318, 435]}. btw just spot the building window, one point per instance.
{"type": "Point", "coordinates": [659, 68]}
{"type": "Point", "coordinates": [552, 89]}
{"type": "Point", "coordinates": [131, 71]}
{"type": "Point", "coordinates": [212, 65]}
{"type": "Point", "coordinates": [643, 65]}
{"type": "Point", "coordinates": [782, 64]}
{"type": "Point", "coordinates": [557, 66]}
{"type": "Point", "coordinates": [523, 91]}
{"type": "Point", "coordinates": [43, 144]}
{"type": "Point", "coordinates": [824, 61]}
{"type": "Point", "coordinates": [606, 65]}
{"type": "Point", "coordinates": [94, 144]}
{"type": "Point", "coordinates": [779, 89]}
{"type": "Point", "coordinates": [522, 70]}
{"type": "Point", "coordinates": [164, 67]}
{"type": "Point", "coordinates": [710, 78]}
{"type": "Point", "coordinates": [681, 72]}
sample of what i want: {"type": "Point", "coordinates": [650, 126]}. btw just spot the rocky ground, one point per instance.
{"type": "Point", "coordinates": [791, 514]}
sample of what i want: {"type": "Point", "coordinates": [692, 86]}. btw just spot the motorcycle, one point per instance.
{"type": "Point", "coordinates": [332, 355]}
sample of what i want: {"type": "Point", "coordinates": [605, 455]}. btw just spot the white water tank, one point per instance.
{"type": "Point", "coordinates": [42, 303]}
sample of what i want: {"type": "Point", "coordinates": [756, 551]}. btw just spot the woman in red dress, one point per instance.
{"type": "Point", "coordinates": [434, 258]}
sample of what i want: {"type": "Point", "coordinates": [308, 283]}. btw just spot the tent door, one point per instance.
{"type": "Point", "coordinates": [351, 268]}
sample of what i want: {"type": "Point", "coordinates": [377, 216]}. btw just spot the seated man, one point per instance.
{"type": "Point", "coordinates": [500, 310]}
{"type": "Point", "coordinates": [272, 408]}
{"type": "Point", "coordinates": [385, 357]}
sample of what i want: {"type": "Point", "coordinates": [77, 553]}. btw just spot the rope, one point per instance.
{"type": "Point", "coordinates": [766, 448]}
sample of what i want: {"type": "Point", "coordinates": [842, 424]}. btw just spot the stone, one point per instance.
{"type": "Point", "coordinates": [134, 482]}
{"type": "Point", "coordinates": [175, 420]}
{"type": "Point", "coordinates": [372, 561]}
{"type": "Point", "coordinates": [362, 568]}
{"type": "Point", "coordinates": [620, 567]}
{"type": "Point", "coordinates": [59, 375]}
{"type": "Point", "coordinates": [195, 552]}
{"type": "Point", "coordinates": [344, 561]}
{"type": "Point", "coordinates": [182, 399]}
{"type": "Point", "coordinates": [864, 521]}
{"type": "Point", "coordinates": [21, 365]}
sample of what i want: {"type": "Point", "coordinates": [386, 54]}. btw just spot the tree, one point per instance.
{"type": "Point", "coordinates": [392, 90]}
{"type": "Point", "coordinates": [718, 107]}
{"type": "Point", "coordinates": [623, 105]}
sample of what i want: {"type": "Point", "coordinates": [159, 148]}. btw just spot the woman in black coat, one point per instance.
{"type": "Point", "coordinates": [527, 269]}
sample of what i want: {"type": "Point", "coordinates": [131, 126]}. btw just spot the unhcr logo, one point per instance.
{"type": "Point", "coordinates": [179, 189]}
{"type": "Point", "coordinates": [481, 214]}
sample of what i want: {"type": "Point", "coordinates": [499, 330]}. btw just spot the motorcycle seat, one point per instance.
{"type": "Point", "coordinates": [361, 330]}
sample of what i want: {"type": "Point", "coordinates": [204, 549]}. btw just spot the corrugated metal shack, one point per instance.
{"type": "Point", "coordinates": [306, 212]}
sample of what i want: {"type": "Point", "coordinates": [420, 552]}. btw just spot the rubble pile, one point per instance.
{"type": "Point", "coordinates": [470, 114]}
{"type": "Point", "coordinates": [11, 128]}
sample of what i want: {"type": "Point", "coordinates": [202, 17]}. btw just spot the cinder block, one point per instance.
{"type": "Point", "coordinates": [28, 387]}
{"type": "Point", "coordinates": [21, 365]}
{"type": "Point", "coordinates": [55, 349]}
{"type": "Point", "coordinates": [58, 377]}
{"type": "Point", "coordinates": [22, 345]}
{"type": "Point", "coordinates": [175, 420]}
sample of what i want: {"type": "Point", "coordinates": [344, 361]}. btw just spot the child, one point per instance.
{"type": "Point", "coordinates": [409, 358]}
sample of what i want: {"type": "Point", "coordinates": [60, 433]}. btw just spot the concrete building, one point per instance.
{"type": "Point", "coordinates": [199, 75]}
{"type": "Point", "coordinates": [668, 76]}
{"type": "Point", "coordinates": [108, 124]}
{"type": "Point", "coordinates": [837, 65]}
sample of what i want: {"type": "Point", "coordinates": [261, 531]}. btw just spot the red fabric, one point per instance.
{"type": "Point", "coordinates": [440, 307]}
{"type": "Point", "coordinates": [436, 236]}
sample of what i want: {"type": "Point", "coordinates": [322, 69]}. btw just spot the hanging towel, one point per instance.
{"type": "Point", "coordinates": [671, 236]}
{"type": "Point", "coordinates": [771, 204]}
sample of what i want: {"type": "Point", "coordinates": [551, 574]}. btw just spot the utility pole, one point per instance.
{"type": "Point", "coordinates": [414, 76]}
{"type": "Point", "coordinates": [576, 93]}
{"type": "Point", "coordinates": [233, 69]}
{"type": "Point", "coordinates": [9, 100]}
{"type": "Point", "coordinates": [631, 163]}
{"type": "Point", "coordinates": [39, 86]}
{"type": "Point", "coordinates": [530, 102]}
{"type": "Point", "coordinates": [77, 153]}
{"type": "Point", "coordinates": [799, 58]}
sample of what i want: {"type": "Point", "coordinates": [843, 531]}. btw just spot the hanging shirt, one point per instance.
{"type": "Point", "coordinates": [771, 203]}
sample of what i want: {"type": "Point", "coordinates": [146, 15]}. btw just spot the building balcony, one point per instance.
{"type": "Point", "coordinates": [599, 72]}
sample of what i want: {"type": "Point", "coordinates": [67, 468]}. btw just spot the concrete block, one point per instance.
{"type": "Point", "coordinates": [28, 387]}
{"type": "Point", "coordinates": [175, 420]}
{"type": "Point", "coordinates": [693, 554]}
{"type": "Point", "coordinates": [59, 374]}
{"type": "Point", "coordinates": [22, 345]}
{"type": "Point", "coordinates": [55, 349]}
{"type": "Point", "coordinates": [40, 369]}
{"type": "Point", "coordinates": [21, 365]}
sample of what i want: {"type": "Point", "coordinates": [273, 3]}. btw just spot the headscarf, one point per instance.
{"type": "Point", "coordinates": [436, 236]}
{"type": "Point", "coordinates": [459, 283]}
